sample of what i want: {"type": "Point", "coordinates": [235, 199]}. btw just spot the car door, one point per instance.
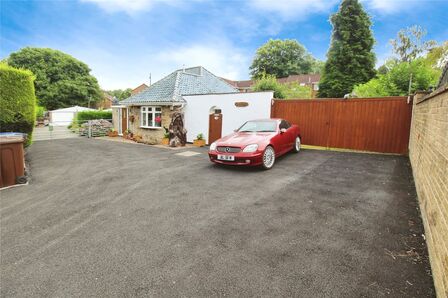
{"type": "Point", "coordinates": [291, 135]}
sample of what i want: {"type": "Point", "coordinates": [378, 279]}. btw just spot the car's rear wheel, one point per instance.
{"type": "Point", "coordinates": [297, 145]}
{"type": "Point", "coordinates": [268, 157]}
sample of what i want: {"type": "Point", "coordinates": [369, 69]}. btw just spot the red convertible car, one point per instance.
{"type": "Point", "coordinates": [256, 142]}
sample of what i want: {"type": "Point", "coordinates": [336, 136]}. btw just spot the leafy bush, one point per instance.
{"type": "Point", "coordinates": [395, 79]}
{"type": "Point", "coordinates": [200, 137]}
{"type": "Point", "coordinates": [294, 90]}
{"type": "Point", "coordinates": [269, 83]}
{"type": "Point", "coordinates": [93, 115]}
{"type": "Point", "coordinates": [17, 101]}
{"type": "Point", "coordinates": [40, 111]}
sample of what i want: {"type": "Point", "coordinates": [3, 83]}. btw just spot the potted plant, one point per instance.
{"type": "Point", "coordinates": [166, 137]}
{"type": "Point", "coordinates": [199, 142]}
{"type": "Point", "coordinates": [127, 134]}
{"type": "Point", "coordinates": [112, 133]}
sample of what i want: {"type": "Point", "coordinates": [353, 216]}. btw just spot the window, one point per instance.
{"type": "Point", "coordinates": [258, 126]}
{"type": "Point", "coordinates": [284, 124]}
{"type": "Point", "coordinates": [151, 117]}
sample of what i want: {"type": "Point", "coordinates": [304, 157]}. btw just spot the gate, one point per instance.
{"type": "Point", "coordinates": [78, 128]}
{"type": "Point", "coordinates": [366, 124]}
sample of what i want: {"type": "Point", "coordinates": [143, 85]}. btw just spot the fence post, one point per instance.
{"type": "Point", "coordinates": [50, 128]}
{"type": "Point", "coordinates": [90, 129]}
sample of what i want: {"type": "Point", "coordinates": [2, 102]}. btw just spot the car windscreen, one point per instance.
{"type": "Point", "coordinates": [258, 126]}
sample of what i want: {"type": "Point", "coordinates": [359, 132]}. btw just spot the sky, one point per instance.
{"type": "Point", "coordinates": [124, 41]}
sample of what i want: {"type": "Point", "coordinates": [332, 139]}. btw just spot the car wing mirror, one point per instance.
{"type": "Point", "coordinates": [282, 130]}
{"type": "Point", "coordinates": [235, 130]}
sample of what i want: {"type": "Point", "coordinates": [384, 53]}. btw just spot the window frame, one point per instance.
{"type": "Point", "coordinates": [145, 111]}
{"type": "Point", "coordinates": [284, 124]}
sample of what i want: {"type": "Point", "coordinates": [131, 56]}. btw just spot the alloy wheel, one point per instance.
{"type": "Point", "coordinates": [268, 157]}
{"type": "Point", "coordinates": [297, 145]}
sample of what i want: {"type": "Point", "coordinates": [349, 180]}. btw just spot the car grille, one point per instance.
{"type": "Point", "coordinates": [228, 149]}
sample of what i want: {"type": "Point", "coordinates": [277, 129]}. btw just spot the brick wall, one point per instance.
{"type": "Point", "coordinates": [428, 152]}
{"type": "Point", "coordinates": [150, 135]}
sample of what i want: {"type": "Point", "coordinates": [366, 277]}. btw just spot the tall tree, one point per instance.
{"type": "Point", "coordinates": [409, 43]}
{"type": "Point", "coordinates": [350, 60]}
{"type": "Point", "coordinates": [120, 94]}
{"type": "Point", "coordinates": [438, 55]}
{"type": "Point", "coordinates": [61, 80]}
{"type": "Point", "coordinates": [281, 58]}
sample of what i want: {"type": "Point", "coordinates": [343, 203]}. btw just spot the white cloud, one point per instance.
{"type": "Point", "coordinates": [129, 6]}
{"type": "Point", "coordinates": [300, 9]}
{"type": "Point", "coordinates": [129, 71]}
{"type": "Point", "coordinates": [221, 59]}
{"type": "Point", "coordinates": [297, 9]}
{"type": "Point", "coordinates": [389, 6]}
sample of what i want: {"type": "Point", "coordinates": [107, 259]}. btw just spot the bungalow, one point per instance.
{"type": "Point", "coordinates": [210, 106]}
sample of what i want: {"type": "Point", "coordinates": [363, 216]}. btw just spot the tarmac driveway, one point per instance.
{"type": "Point", "coordinates": [102, 219]}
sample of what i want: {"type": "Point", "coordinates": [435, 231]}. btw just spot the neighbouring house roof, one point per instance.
{"type": "Point", "coordinates": [107, 96]}
{"type": "Point", "coordinates": [240, 84]}
{"type": "Point", "coordinates": [139, 89]}
{"type": "Point", "coordinates": [301, 79]}
{"type": "Point", "coordinates": [188, 81]}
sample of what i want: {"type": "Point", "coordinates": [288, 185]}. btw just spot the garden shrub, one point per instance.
{"type": "Point", "coordinates": [269, 83]}
{"type": "Point", "coordinates": [40, 112]}
{"type": "Point", "coordinates": [93, 115]}
{"type": "Point", "coordinates": [17, 101]}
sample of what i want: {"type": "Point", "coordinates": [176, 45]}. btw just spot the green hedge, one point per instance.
{"type": "Point", "coordinates": [92, 115]}
{"type": "Point", "coordinates": [40, 112]}
{"type": "Point", "coordinates": [17, 101]}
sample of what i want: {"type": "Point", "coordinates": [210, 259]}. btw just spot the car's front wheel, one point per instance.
{"type": "Point", "coordinates": [297, 145]}
{"type": "Point", "coordinates": [268, 157]}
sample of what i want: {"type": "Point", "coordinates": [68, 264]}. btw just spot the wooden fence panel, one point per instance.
{"type": "Point", "coordinates": [304, 113]}
{"type": "Point", "coordinates": [366, 124]}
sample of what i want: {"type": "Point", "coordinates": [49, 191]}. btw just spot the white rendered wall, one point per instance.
{"type": "Point", "coordinates": [197, 111]}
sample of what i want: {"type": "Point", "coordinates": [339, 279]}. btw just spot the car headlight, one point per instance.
{"type": "Point", "coordinates": [250, 148]}
{"type": "Point", "coordinates": [213, 146]}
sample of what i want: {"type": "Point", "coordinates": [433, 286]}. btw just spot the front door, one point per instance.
{"type": "Point", "coordinates": [123, 122]}
{"type": "Point", "coordinates": [215, 127]}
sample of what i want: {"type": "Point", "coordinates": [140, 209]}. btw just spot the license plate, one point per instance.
{"type": "Point", "coordinates": [226, 157]}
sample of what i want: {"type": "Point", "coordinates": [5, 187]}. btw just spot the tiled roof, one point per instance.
{"type": "Point", "coordinates": [189, 81]}
{"type": "Point", "coordinates": [302, 79]}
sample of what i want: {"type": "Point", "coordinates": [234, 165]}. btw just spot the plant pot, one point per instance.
{"type": "Point", "coordinates": [112, 134]}
{"type": "Point", "coordinates": [165, 141]}
{"type": "Point", "coordinates": [199, 143]}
